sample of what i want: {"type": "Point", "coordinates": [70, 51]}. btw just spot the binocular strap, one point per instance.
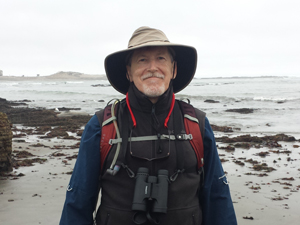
{"type": "Point", "coordinates": [142, 217]}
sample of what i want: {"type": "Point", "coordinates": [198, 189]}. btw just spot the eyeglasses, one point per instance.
{"type": "Point", "coordinates": [162, 146]}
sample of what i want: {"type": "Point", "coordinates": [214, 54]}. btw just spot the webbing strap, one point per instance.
{"type": "Point", "coordinates": [194, 119]}
{"type": "Point", "coordinates": [153, 138]}
{"type": "Point", "coordinates": [109, 120]}
{"type": "Point", "coordinates": [125, 126]}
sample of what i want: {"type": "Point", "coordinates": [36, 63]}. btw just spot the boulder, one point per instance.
{"type": "Point", "coordinates": [5, 144]}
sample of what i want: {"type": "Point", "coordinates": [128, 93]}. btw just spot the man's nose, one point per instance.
{"type": "Point", "coordinates": [152, 67]}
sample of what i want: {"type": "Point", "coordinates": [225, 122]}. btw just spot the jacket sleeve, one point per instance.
{"type": "Point", "coordinates": [82, 191]}
{"type": "Point", "coordinates": [215, 199]}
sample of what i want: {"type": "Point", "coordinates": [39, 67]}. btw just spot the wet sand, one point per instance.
{"type": "Point", "coordinates": [38, 196]}
{"type": "Point", "coordinates": [260, 197]}
{"type": "Point", "coordinates": [265, 197]}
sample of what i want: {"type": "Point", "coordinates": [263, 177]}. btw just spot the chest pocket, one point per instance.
{"type": "Point", "coordinates": [151, 147]}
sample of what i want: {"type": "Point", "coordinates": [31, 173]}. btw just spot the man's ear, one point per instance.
{"type": "Point", "coordinates": [174, 70]}
{"type": "Point", "coordinates": [128, 74]}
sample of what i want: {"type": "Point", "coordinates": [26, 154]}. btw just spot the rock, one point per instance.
{"type": "Point", "coordinates": [228, 148]}
{"type": "Point", "coordinates": [242, 110]}
{"type": "Point", "coordinates": [242, 138]}
{"type": "Point", "coordinates": [221, 128]}
{"type": "Point", "coordinates": [5, 144]}
{"type": "Point", "coordinates": [239, 162]}
{"type": "Point", "coordinates": [248, 218]}
{"type": "Point", "coordinates": [100, 85]}
{"type": "Point", "coordinates": [67, 109]}
{"type": "Point", "coordinates": [263, 166]}
{"type": "Point", "coordinates": [23, 154]}
{"type": "Point", "coordinates": [281, 137]}
{"type": "Point", "coordinates": [211, 101]}
{"type": "Point", "coordinates": [28, 162]}
{"type": "Point", "coordinates": [270, 141]}
{"type": "Point", "coordinates": [39, 116]}
{"type": "Point", "coordinates": [243, 145]}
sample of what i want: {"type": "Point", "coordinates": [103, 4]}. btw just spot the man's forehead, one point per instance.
{"type": "Point", "coordinates": [154, 49]}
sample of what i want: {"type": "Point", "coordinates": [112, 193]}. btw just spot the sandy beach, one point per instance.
{"type": "Point", "coordinates": [35, 194]}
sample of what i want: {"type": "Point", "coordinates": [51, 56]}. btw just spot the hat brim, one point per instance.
{"type": "Point", "coordinates": [186, 58]}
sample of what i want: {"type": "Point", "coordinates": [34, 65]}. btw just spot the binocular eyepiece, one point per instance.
{"type": "Point", "coordinates": [151, 192]}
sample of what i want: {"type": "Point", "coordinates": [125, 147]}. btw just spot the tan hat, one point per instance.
{"type": "Point", "coordinates": [185, 56]}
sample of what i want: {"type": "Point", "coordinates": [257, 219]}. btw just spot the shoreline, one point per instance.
{"type": "Point", "coordinates": [57, 76]}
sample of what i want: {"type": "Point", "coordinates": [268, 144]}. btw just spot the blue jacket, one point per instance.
{"type": "Point", "coordinates": [82, 191]}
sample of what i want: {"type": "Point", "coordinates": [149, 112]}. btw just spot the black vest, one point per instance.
{"type": "Point", "coordinates": [117, 191]}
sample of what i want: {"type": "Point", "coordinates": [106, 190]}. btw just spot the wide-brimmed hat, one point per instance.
{"type": "Point", "coordinates": [185, 56]}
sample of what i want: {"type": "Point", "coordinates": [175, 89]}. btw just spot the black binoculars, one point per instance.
{"type": "Point", "coordinates": [151, 192]}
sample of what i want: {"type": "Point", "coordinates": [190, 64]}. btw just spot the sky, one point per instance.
{"type": "Point", "coordinates": [232, 37]}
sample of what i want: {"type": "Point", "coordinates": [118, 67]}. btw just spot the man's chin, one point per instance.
{"type": "Point", "coordinates": [154, 90]}
{"type": "Point", "coordinates": [153, 93]}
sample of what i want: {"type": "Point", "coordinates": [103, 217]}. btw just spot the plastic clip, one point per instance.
{"type": "Point", "coordinates": [184, 137]}
{"type": "Point", "coordinates": [113, 171]}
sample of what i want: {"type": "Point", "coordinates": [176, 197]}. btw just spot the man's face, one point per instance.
{"type": "Point", "coordinates": [151, 71]}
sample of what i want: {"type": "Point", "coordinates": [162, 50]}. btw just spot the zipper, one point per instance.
{"type": "Point", "coordinates": [155, 124]}
{"type": "Point", "coordinates": [107, 219]}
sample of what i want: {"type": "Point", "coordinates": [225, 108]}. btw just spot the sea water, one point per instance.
{"type": "Point", "coordinates": [275, 100]}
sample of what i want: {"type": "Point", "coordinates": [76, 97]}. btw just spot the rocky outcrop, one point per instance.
{"type": "Point", "coordinates": [38, 116]}
{"type": "Point", "coordinates": [5, 144]}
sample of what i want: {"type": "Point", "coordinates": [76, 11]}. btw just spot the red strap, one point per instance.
{"type": "Point", "coordinates": [167, 118]}
{"type": "Point", "coordinates": [131, 113]}
{"type": "Point", "coordinates": [169, 114]}
{"type": "Point", "coordinates": [197, 143]}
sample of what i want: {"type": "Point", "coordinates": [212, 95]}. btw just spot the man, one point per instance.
{"type": "Point", "coordinates": [149, 72]}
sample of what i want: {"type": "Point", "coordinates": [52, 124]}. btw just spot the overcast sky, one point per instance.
{"type": "Point", "coordinates": [232, 37]}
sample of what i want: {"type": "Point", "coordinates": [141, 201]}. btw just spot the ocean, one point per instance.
{"type": "Point", "coordinates": [275, 101]}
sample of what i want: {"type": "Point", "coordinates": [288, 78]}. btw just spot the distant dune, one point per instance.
{"type": "Point", "coordinates": [58, 76]}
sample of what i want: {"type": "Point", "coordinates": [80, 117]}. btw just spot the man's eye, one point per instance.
{"type": "Point", "coordinates": [161, 58]}
{"type": "Point", "coordinates": [142, 60]}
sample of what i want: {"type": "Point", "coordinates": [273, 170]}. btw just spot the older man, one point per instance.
{"type": "Point", "coordinates": [156, 169]}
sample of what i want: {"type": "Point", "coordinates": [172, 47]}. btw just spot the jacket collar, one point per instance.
{"type": "Point", "coordinates": [141, 102]}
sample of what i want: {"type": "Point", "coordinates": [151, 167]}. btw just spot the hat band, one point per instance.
{"type": "Point", "coordinates": [131, 46]}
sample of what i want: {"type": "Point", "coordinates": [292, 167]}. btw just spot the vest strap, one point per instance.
{"type": "Point", "coordinates": [154, 138]}
{"type": "Point", "coordinates": [109, 120]}
{"type": "Point", "coordinates": [191, 118]}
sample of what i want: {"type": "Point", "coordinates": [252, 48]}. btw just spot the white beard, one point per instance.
{"type": "Point", "coordinates": [152, 90]}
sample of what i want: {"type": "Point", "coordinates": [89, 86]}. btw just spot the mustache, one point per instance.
{"type": "Point", "coordinates": [148, 75]}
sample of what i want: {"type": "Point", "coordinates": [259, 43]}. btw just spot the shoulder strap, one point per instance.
{"type": "Point", "coordinates": [107, 132]}
{"type": "Point", "coordinates": [194, 123]}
